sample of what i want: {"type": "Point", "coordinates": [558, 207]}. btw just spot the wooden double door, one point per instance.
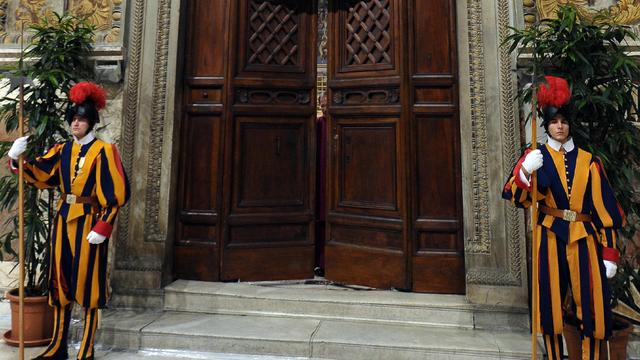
{"type": "Point", "coordinates": [247, 177]}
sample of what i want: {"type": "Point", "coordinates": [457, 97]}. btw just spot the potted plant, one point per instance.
{"type": "Point", "coordinates": [56, 58]}
{"type": "Point", "coordinates": [590, 54]}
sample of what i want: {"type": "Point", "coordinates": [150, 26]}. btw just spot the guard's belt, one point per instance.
{"type": "Point", "coordinates": [73, 199]}
{"type": "Point", "coordinates": [568, 215]}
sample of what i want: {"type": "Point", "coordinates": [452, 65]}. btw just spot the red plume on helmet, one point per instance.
{"type": "Point", "coordinates": [555, 92]}
{"type": "Point", "coordinates": [82, 91]}
{"type": "Point", "coordinates": [87, 99]}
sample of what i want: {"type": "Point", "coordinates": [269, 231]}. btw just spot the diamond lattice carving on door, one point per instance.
{"type": "Point", "coordinates": [368, 38]}
{"type": "Point", "coordinates": [273, 33]}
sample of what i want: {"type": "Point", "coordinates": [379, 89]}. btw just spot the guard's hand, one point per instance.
{"type": "Point", "coordinates": [18, 147]}
{"type": "Point", "coordinates": [95, 238]}
{"type": "Point", "coordinates": [533, 161]}
{"type": "Point", "coordinates": [611, 268]}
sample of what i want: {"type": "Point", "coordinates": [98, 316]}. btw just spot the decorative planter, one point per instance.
{"type": "Point", "coordinates": [38, 320]}
{"type": "Point", "coordinates": [617, 343]}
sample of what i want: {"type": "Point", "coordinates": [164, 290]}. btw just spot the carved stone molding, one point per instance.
{"type": "Point", "coordinates": [154, 165]}
{"type": "Point", "coordinates": [145, 264]}
{"type": "Point", "coordinates": [480, 241]}
{"type": "Point", "coordinates": [129, 123]}
{"type": "Point", "coordinates": [530, 12]}
{"type": "Point", "coordinates": [367, 97]}
{"type": "Point", "coordinates": [510, 147]}
{"type": "Point", "coordinates": [272, 96]}
{"type": "Point", "coordinates": [492, 277]}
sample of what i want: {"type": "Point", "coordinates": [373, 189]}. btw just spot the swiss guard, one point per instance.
{"type": "Point", "coordinates": [576, 227]}
{"type": "Point", "coordinates": [93, 186]}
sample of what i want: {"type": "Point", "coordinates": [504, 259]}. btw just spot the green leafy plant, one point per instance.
{"type": "Point", "coordinates": [591, 55]}
{"type": "Point", "coordinates": [56, 58]}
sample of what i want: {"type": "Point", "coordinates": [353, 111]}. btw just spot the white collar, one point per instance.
{"type": "Point", "coordinates": [85, 140]}
{"type": "Point", "coordinates": [555, 144]}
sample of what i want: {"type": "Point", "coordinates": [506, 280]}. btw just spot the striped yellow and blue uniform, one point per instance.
{"type": "Point", "coordinates": [571, 253]}
{"type": "Point", "coordinates": [79, 269]}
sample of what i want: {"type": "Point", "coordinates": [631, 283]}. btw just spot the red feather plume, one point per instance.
{"type": "Point", "coordinates": [82, 91]}
{"type": "Point", "coordinates": [554, 93]}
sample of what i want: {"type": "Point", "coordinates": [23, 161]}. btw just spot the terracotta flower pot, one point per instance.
{"type": "Point", "coordinates": [38, 320]}
{"type": "Point", "coordinates": [617, 343]}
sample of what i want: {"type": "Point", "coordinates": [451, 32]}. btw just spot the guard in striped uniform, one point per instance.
{"type": "Point", "coordinates": [93, 185]}
{"type": "Point", "coordinates": [576, 228]}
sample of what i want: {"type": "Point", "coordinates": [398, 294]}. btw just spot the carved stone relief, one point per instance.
{"type": "Point", "coordinates": [622, 11]}
{"type": "Point", "coordinates": [28, 12]}
{"type": "Point", "coordinates": [106, 15]}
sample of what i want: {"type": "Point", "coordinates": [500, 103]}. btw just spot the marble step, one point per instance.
{"type": "Point", "coordinates": [304, 338]}
{"type": "Point", "coordinates": [333, 303]}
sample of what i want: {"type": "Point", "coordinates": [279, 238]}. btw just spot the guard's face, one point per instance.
{"type": "Point", "coordinates": [79, 126]}
{"type": "Point", "coordinates": [559, 129]}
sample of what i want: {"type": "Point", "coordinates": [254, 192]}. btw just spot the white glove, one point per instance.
{"type": "Point", "coordinates": [18, 147]}
{"type": "Point", "coordinates": [95, 238]}
{"type": "Point", "coordinates": [533, 161]}
{"type": "Point", "coordinates": [611, 268]}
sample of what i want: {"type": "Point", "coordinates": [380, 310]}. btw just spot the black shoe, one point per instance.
{"type": "Point", "coordinates": [60, 355]}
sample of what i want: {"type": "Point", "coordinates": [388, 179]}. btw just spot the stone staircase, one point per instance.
{"type": "Point", "coordinates": [318, 321]}
{"type": "Point", "coordinates": [331, 302]}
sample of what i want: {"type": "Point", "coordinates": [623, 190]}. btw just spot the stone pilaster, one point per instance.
{"type": "Point", "coordinates": [148, 148]}
{"type": "Point", "coordinates": [494, 232]}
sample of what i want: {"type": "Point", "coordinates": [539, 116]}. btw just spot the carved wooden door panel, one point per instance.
{"type": "Point", "coordinates": [246, 199]}
{"type": "Point", "coordinates": [203, 113]}
{"type": "Point", "coordinates": [366, 223]}
{"type": "Point", "coordinates": [395, 215]}
{"type": "Point", "coordinates": [437, 255]}
{"type": "Point", "coordinates": [269, 175]}
{"type": "Point", "coordinates": [246, 179]}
